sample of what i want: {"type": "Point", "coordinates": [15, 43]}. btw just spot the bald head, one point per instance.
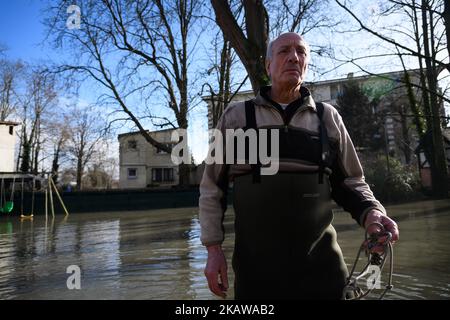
{"type": "Point", "coordinates": [269, 52]}
{"type": "Point", "coordinates": [287, 61]}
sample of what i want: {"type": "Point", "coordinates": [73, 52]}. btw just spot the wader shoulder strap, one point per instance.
{"type": "Point", "coordinates": [324, 143]}
{"type": "Point", "coordinates": [250, 115]}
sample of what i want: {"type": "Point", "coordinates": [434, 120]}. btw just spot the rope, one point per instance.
{"type": "Point", "coordinates": [391, 271]}
{"type": "Point", "coordinates": [373, 259]}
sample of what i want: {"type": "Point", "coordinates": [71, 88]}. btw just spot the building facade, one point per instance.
{"type": "Point", "coordinates": [144, 166]}
{"type": "Point", "coordinates": [393, 105]}
{"type": "Point", "coordinates": [7, 145]}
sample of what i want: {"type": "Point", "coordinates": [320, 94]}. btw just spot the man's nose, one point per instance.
{"type": "Point", "coordinates": [293, 56]}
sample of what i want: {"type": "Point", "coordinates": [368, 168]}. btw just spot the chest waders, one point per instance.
{"type": "Point", "coordinates": [285, 245]}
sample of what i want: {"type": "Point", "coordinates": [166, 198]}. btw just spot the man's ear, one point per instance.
{"type": "Point", "coordinates": [268, 67]}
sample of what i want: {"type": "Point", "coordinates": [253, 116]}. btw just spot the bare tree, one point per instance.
{"type": "Point", "coordinates": [424, 39]}
{"type": "Point", "coordinates": [10, 72]}
{"type": "Point", "coordinates": [57, 134]}
{"type": "Point", "coordinates": [85, 134]}
{"type": "Point", "coordinates": [249, 38]}
{"type": "Point", "coordinates": [405, 143]}
{"type": "Point", "coordinates": [37, 99]}
{"type": "Point", "coordinates": [316, 20]}
{"type": "Point", "coordinates": [222, 87]}
{"type": "Point", "coordinates": [96, 177]}
{"type": "Point", "coordinates": [250, 47]}
{"type": "Point", "coordinates": [102, 169]}
{"type": "Point", "coordinates": [446, 16]}
{"type": "Point", "coordinates": [58, 148]}
{"type": "Point", "coordinates": [138, 51]}
{"type": "Point", "coordinates": [220, 99]}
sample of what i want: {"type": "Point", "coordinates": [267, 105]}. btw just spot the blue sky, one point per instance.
{"type": "Point", "coordinates": [22, 32]}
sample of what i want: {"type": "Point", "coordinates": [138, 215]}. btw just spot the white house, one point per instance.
{"type": "Point", "coordinates": [142, 165]}
{"type": "Point", "coordinates": [7, 145]}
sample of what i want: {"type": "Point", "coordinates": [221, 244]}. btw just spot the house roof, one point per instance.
{"type": "Point", "coordinates": [9, 123]}
{"type": "Point", "coordinates": [362, 77]}
{"type": "Point", "coordinates": [139, 132]}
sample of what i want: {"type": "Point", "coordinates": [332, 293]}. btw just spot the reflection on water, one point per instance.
{"type": "Point", "coordinates": [158, 255]}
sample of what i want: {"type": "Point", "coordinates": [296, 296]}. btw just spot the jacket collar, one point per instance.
{"type": "Point", "coordinates": [305, 100]}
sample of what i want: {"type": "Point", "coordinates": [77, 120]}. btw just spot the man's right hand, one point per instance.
{"type": "Point", "coordinates": [216, 267]}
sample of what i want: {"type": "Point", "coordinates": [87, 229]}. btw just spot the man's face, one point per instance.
{"type": "Point", "coordinates": [289, 61]}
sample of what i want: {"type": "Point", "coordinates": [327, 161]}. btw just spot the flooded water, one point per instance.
{"type": "Point", "coordinates": [157, 254]}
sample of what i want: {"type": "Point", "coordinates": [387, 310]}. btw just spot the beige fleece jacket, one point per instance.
{"type": "Point", "coordinates": [349, 188]}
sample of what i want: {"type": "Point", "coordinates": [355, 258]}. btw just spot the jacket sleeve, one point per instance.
{"type": "Point", "coordinates": [349, 188]}
{"type": "Point", "coordinates": [213, 195]}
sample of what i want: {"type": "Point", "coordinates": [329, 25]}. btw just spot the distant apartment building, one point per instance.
{"type": "Point", "coordinates": [401, 138]}
{"type": "Point", "coordinates": [7, 145]}
{"type": "Point", "coordinates": [398, 129]}
{"type": "Point", "coordinates": [144, 166]}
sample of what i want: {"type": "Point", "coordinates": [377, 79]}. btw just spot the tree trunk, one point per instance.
{"type": "Point", "coordinates": [406, 143]}
{"type": "Point", "coordinates": [251, 50]}
{"type": "Point", "coordinates": [55, 168]}
{"type": "Point", "coordinates": [36, 157]}
{"type": "Point", "coordinates": [5, 95]}
{"type": "Point", "coordinates": [446, 15]}
{"type": "Point", "coordinates": [439, 169]}
{"type": "Point", "coordinates": [79, 171]}
{"type": "Point", "coordinates": [26, 153]}
{"type": "Point", "coordinates": [55, 162]}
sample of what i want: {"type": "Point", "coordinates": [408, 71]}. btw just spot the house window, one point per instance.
{"type": "Point", "coordinates": [132, 144]}
{"type": "Point", "coordinates": [132, 173]}
{"type": "Point", "coordinates": [156, 174]}
{"type": "Point", "coordinates": [11, 130]}
{"type": "Point", "coordinates": [162, 174]}
{"type": "Point", "coordinates": [168, 174]}
{"type": "Point", "coordinates": [160, 151]}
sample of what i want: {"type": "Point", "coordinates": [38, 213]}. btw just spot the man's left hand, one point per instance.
{"type": "Point", "coordinates": [374, 220]}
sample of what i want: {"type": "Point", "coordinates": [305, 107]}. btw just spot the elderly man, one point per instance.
{"type": "Point", "coordinates": [285, 245]}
